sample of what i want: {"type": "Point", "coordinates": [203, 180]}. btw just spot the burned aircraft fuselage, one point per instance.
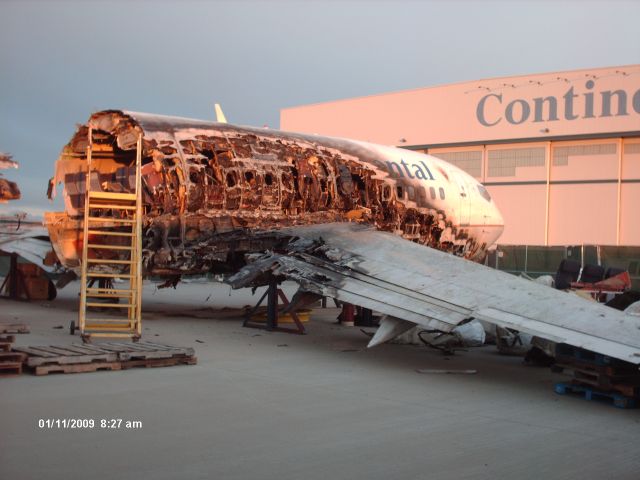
{"type": "Point", "coordinates": [214, 192]}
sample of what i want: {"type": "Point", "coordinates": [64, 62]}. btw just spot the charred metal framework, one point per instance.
{"type": "Point", "coordinates": [8, 190]}
{"type": "Point", "coordinates": [213, 192]}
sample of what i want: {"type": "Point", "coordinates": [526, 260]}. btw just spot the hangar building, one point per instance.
{"type": "Point", "coordinates": [559, 152]}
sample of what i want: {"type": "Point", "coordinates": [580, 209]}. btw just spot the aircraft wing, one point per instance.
{"type": "Point", "coordinates": [30, 241]}
{"type": "Point", "coordinates": [414, 284]}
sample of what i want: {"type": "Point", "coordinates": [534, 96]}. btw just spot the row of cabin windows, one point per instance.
{"type": "Point", "coordinates": [411, 192]}
{"type": "Point", "coordinates": [249, 177]}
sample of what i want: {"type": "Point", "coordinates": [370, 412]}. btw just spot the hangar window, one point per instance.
{"type": "Point", "coordinates": [485, 194]}
{"type": "Point", "coordinates": [432, 192]}
{"type": "Point", "coordinates": [469, 161]}
{"type": "Point", "coordinates": [412, 193]}
{"type": "Point", "coordinates": [441, 193]}
{"type": "Point", "coordinates": [399, 191]}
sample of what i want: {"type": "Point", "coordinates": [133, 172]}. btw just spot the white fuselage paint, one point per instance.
{"type": "Point", "coordinates": [466, 204]}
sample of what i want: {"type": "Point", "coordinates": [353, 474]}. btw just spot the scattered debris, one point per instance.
{"type": "Point", "coordinates": [447, 372]}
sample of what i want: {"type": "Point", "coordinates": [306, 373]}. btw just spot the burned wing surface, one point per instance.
{"type": "Point", "coordinates": [213, 192]}
{"type": "Point", "coordinates": [415, 284]}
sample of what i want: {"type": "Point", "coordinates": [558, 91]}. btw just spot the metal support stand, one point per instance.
{"type": "Point", "coordinates": [13, 279]}
{"type": "Point", "coordinates": [272, 294]}
{"type": "Point", "coordinates": [364, 317]}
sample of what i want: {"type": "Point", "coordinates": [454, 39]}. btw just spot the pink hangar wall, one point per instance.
{"type": "Point", "coordinates": [559, 152]}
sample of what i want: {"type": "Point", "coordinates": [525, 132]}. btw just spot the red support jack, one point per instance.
{"type": "Point", "coordinates": [348, 314]}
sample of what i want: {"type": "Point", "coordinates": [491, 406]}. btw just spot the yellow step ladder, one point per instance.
{"type": "Point", "coordinates": [111, 249]}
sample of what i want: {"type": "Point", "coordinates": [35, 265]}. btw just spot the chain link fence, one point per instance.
{"type": "Point", "coordinates": [538, 260]}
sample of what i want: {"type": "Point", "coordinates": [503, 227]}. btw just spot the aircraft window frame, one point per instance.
{"type": "Point", "coordinates": [432, 192]}
{"type": "Point", "coordinates": [231, 180]}
{"type": "Point", "coordinates": [248, 175]}
{"type": "Point", "coordinates": [484, 193]}
{"type": "Point", "coordinates": [422, 195]}
{"type": "Point", "coordinates": [441, 191]}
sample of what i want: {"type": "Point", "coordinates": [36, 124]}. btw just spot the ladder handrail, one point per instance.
{"type": "Point", "coordinates": [138, 236]}
{"type": "Point", "coordinates": [85, 235]}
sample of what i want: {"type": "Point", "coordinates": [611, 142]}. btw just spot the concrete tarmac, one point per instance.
{"type": "Point", "coordinates": [263, 405]}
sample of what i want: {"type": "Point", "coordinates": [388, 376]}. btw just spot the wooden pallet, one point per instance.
{"type": "Point", "coordinates": [66, 355]}
{"type": "Point", "coordinates": [11, 363]}
{"type": "Point", "coordinates": [598, 373]}
{"type": "Point", "coordinates": [6, 341]}
{"type": "Point", "coordinates": [145, 350]}
{"type": "Point", "coordinates": [80, 358]}
{"type": "Point", "coordinates": [570, 354]}
{"type": "Point", "coordinates": [159, 362]}
{"type": "Point", "coordinates": [13, 328]}
{"type": "Point", "coordinates": [76, 368]}
{"type": "Point", "coordinates": [617, 399]}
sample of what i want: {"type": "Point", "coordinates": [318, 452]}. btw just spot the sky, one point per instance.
{"type": "Point", "coordinates": [61, 61]}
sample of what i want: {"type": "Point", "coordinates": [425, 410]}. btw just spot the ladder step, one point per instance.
{"type": "Point", "coordinates": [115, 335]}
{"type": "Point", "coordinates": [112, 206]}
{"type": "Point", "coordinates": [107, 232]}
{"type": "Point", "coordinates": [111, 247]}
{"type": "Point", "coordinates": [112, 220]}
{"type": "Point", "coordinates": [106, 322]}
{"type": "Point", "coordinates": [108, 290]}
{"type": "Point", "coordinates": [109, 275]}
{"type": "Point", "coordinates": [107, 329]}
{"type": "Point", "coordinates": [112, 195]}
{"type": "Point", "coordinates": [110, 305]}
{"type": "Point", "coordinates": [104, 261]}
{"type": "Point", "coordinates": [108, 295]}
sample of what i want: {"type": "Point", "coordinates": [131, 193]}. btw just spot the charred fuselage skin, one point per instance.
{"type": "Point", "coordinates": [214, 192]}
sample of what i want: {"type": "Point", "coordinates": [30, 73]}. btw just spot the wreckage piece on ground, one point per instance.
{"type": "Point", "coordinates": [218, 196]}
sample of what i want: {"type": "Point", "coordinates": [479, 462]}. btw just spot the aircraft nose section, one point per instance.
{"type": "Point", "coordinates": [497, 214]}
{"type": "Point", "coordinates": [495, 220]}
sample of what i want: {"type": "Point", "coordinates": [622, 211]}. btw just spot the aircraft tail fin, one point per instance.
{"type": "Point", "coordinates": [220, 118]}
